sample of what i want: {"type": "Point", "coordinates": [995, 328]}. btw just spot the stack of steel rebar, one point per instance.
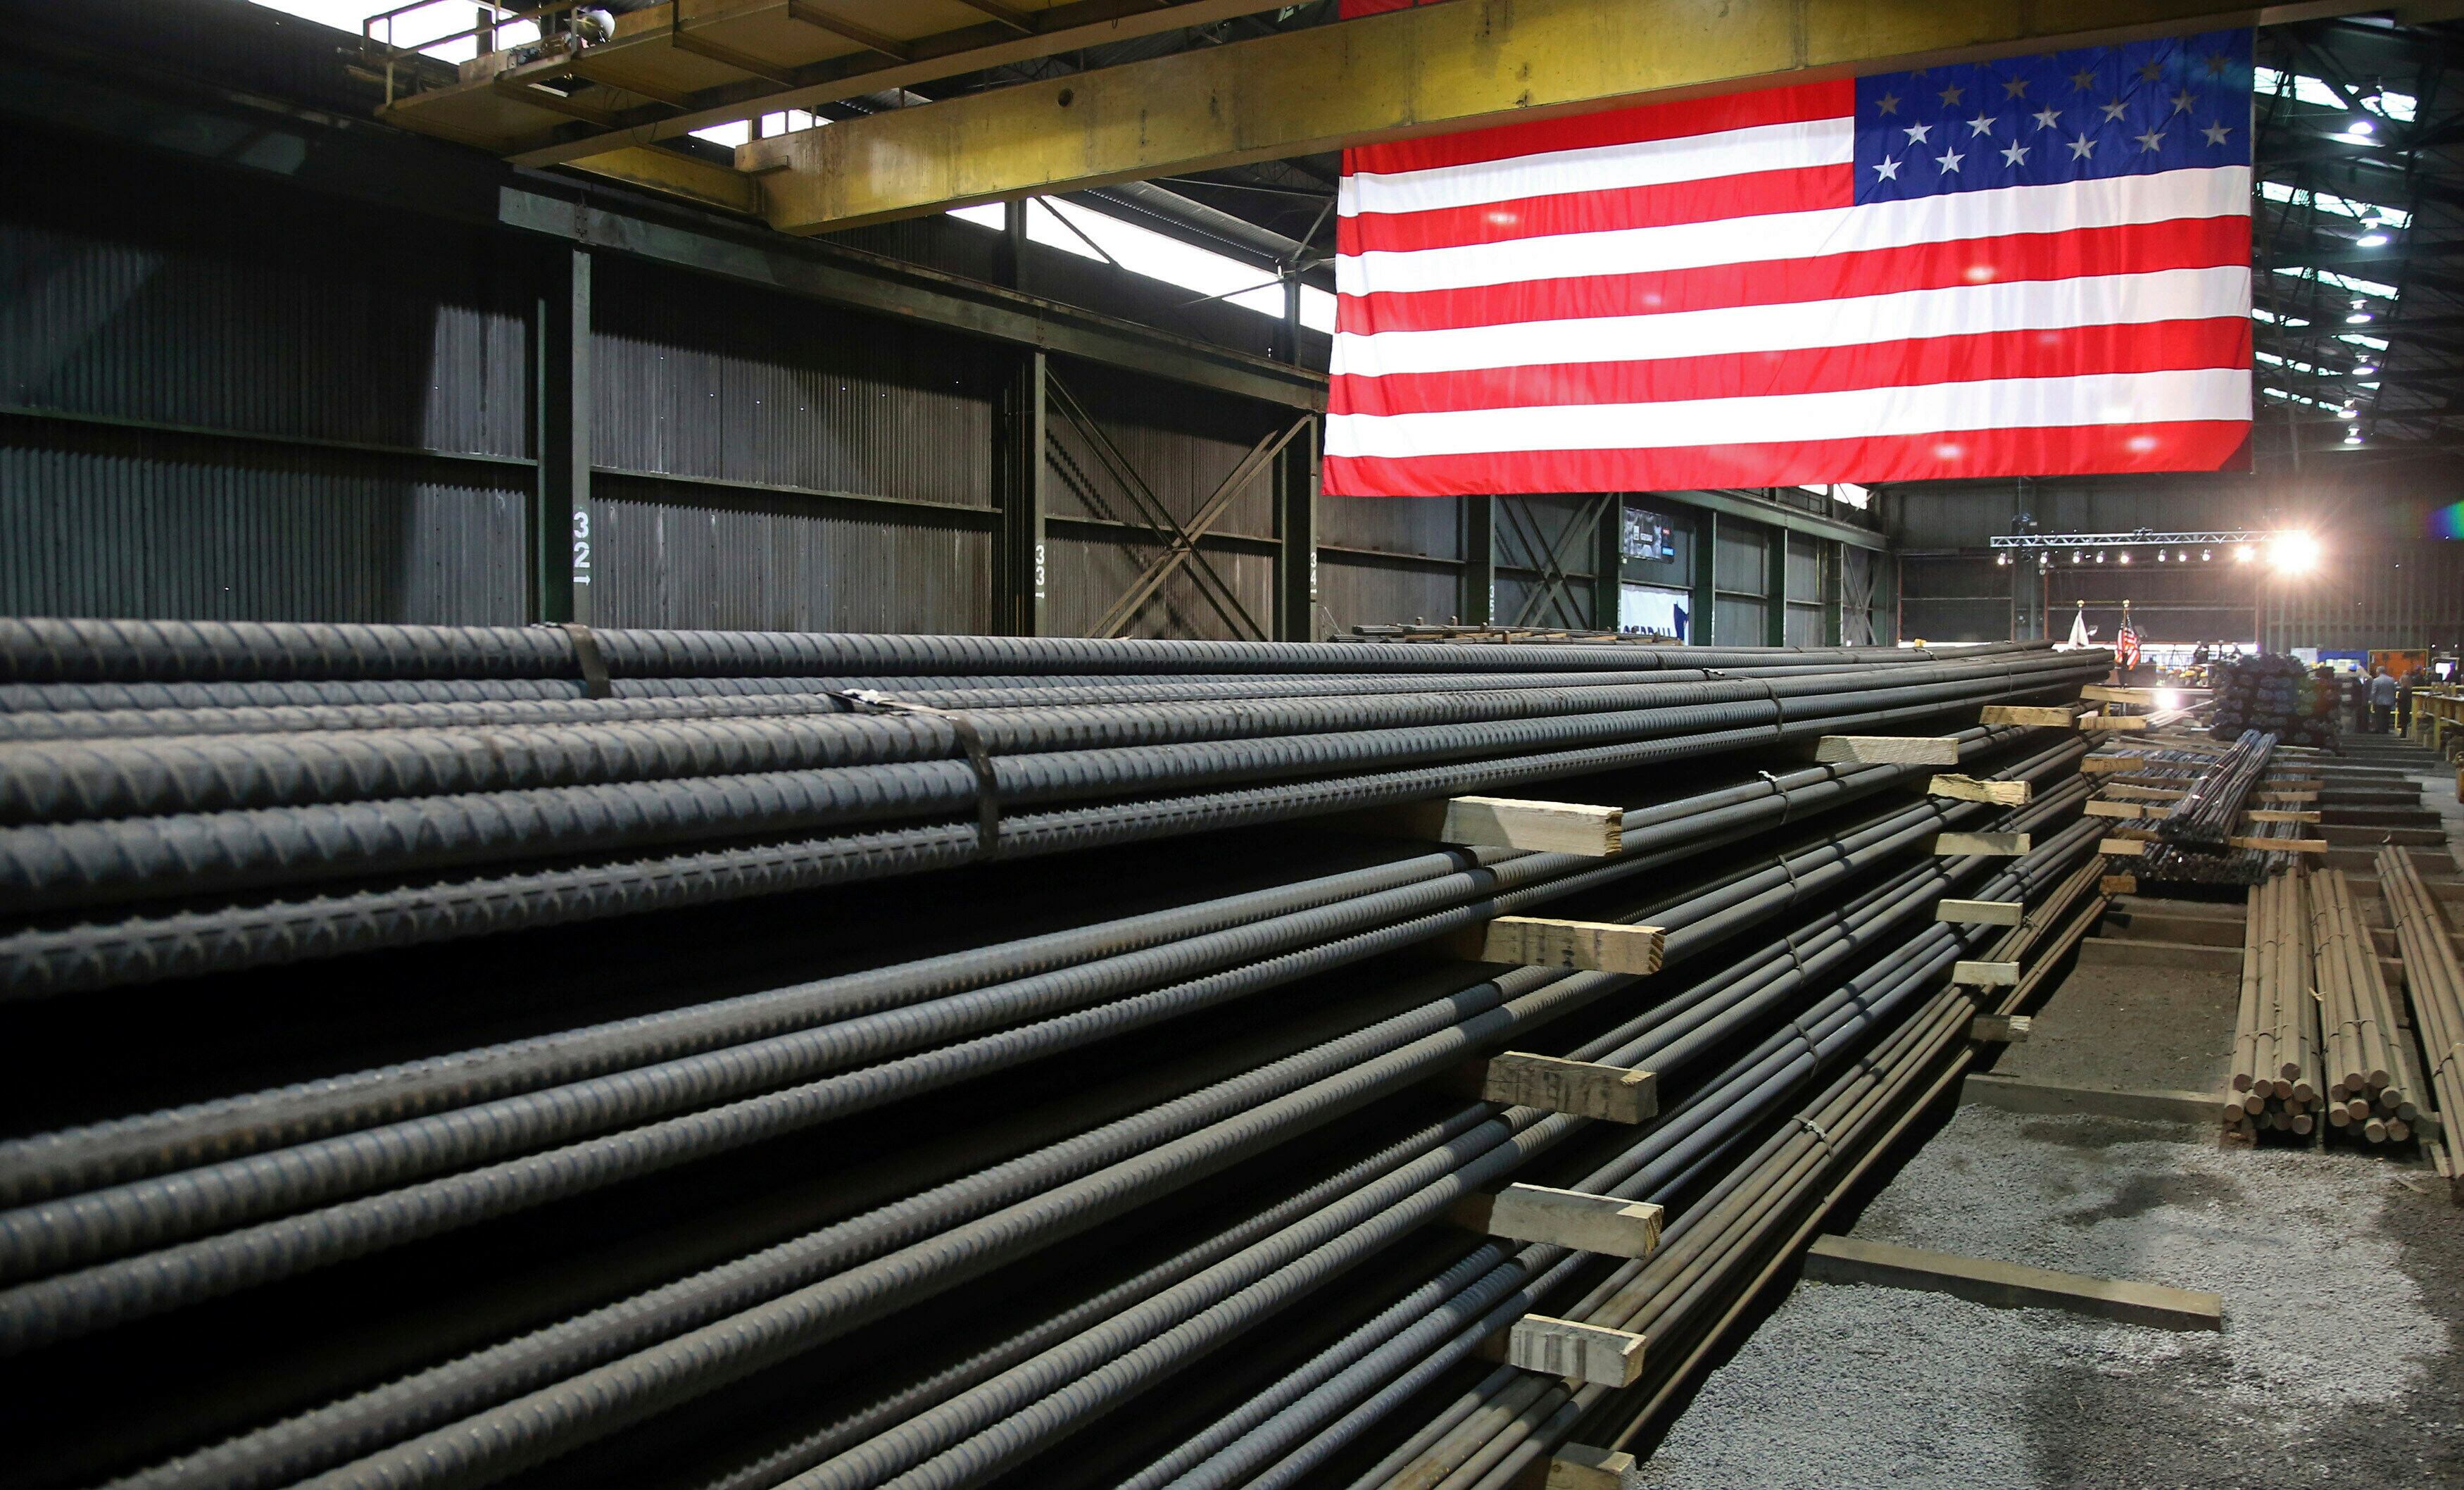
{"type": "Point", "coordinates": [2366, 1095]}
{"type": "Point", "coordinates": [686, 1074]}
{"type": "Point", "coordinates": [2208, 817]}
{"type": "Point", "coordinates": [2433, 987]}
{"type": "Point", "coordinates": [2277, 1084]}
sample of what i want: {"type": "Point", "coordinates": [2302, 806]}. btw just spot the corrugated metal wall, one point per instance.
{"type": "Point", "coordinates": [1534, 533]}
{"type": "Point", "coordinates": [209, 304]}
{"type": "Point", "coordinates": [1388, 559]}
{"type": "Point", "coordinates": [1741, 574]}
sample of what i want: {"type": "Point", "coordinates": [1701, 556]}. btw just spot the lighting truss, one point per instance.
{"type": "Point", "coordinates": [2142, 539]}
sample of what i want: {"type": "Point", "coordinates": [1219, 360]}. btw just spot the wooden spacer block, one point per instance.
{"type": "Point", "coordinates": [1587, 1354]}
{"type": "Point", "coordinates": [1967, 789]}
{"type": "Point", "coordinates": [2281, 845]}
{"type": "Point", "coordinates": [2098, 808]}
{"type": "Point", "coordinates": [1985, 975]}
{"type": "Point", "coordinates": [2122, 848]}
{"type": "Point", "coordinates": [2000, 1029]}
{"type": "Point", "coordinates": [2112, 722]}
{"type": "Point", "coordinates": [1582, 1088]}
{"type": "Point", "coordinates": [1607, 1225]}
{"type": "Point", "coordinates": [1886, 750]}
{"type": "Point", "coordinates": [1980, 913]}
{"type": "Point", "coordinates": [1578, 1466]}
{"type": "Point", "coordinates": [2145, 698]}
{"type": "Point", "coordinates": [2001, 845]}
{"type": "Point", "coordinates": [2269, 814]}
{"type": "Point", "coordinates": [2039, 717]}
{"type": "Point", "coordinates": [1587, 945]}
{"type": "Point", "coordinates": [2145, 793]}
{"type": "Point", "coordinates": [2117, 885]}
{"type": "Point", "coordinates": [2098, 765]}
{"type": "Point", "coordinates": [1501, 823]}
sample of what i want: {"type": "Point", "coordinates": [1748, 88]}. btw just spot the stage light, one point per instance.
{"type": "Point", "coordinates": [2100, 558]}
{"type": "Point", "coordinates": [2207, 556]}
{"type": "Point", "coordinates": [2294, 554]}
{"type": "Point", "coordinates": [2243, 554]}
{"type": "Point", "coordinates": [2159, 556]}
{"type": "Point", "coordinates": [2125, 558]}
{"type": "Point", "coordinates": [2074, 558]}
{"type": "Point", "coordinates": [2002, 560]}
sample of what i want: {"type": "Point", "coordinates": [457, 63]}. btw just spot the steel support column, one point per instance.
{"type": "Point", "coordinates": [563, 538]}
{"type": "Point", "coordinates": [1296, 481]}
{"type": "Point", "coordinates": [1707, 577]}
{"type": "Point", "coordinates": [1833, 560]}
{"type": "Point", "coordinates": [1480, 559]}
{"type": "Point", "coordinates": [1607, 560]}
{"type": "Point", "coordinates": [1775, 587]}
{"type": "Point", "coordinates": [1018, 608]}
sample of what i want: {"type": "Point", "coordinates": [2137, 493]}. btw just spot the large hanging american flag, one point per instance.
{"type": "Point", "coordinates": [2031, 267]}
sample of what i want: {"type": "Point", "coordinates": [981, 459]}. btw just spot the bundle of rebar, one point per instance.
{"type": "Point", "coordinates": [914, 1181]}
{"type": "Point", "coordinates": [2433, 985]}
{"type": "Point", "coordinates": [2277, 1085]}
{"type": "Point", "coordinates": [348, 788]}
{"type": "Point", "coordinates": [2207, 816]}
{"type": "Point", "coordinates": [2367, 1096]}
{"type": "Point", "coordinates": [1732, 1231]}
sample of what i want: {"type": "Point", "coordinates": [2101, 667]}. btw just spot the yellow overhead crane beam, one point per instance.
{"type": "Point", "coordinates": [1425, 71]}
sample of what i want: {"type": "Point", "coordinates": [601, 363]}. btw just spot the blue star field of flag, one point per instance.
{"type": "Point", "coordinates": [2137, 109]}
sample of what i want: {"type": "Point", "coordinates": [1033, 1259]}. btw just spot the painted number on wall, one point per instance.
{"type": "Point", "coordinates": [582, 548]}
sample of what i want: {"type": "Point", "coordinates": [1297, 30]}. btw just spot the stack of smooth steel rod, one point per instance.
{"type": "Point", "coordinates": [2367, 1096]}
{"type": "Point", "coordinates": [209, 797]}
{"type": "Point", "coordinates": [2276, 1086]}
{"type": "Point", "coordinates": [2433, 985]}
{"type": "Point", "coordinates": [914, 1180]}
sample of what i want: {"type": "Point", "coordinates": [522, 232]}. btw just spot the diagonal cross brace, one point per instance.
{"type": "Point", "coordinates": [1169, 562]}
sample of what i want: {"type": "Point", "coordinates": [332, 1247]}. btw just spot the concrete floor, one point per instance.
{"type": "Point", "coordinates": [2341, 1360]}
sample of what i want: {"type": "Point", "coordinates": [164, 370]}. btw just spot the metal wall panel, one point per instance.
{"type": "Point", "coordinates": [1180, 441]}
{"type": "Point", "coordinates": [1737, 623]}
{"type": "Point", "coordinates": [215, 301]}
{"type": "Point", "coordinates": [694, 376]}
{"type": "Point", "coordinates": [1740, 559]}
{"type": "Point", "coordinates": [1533, 531]}
{"type": "Point", "coordinates": [1956, 599]}
{"type": "Point", "coordinates": [192, 528]}
{"type": "Point", "coordinates": [1370, 592]}
{"type": "Point", "coordinates": [1804, 569]}
{"type": "Point", "coordinates": [1087, 575]}
{"type": "Point", "coordinates": [699, 558]}
{"type": "Point", "coordinates": [1804, 626]}
{"type": "Point", "coordinates": [1431, 527]}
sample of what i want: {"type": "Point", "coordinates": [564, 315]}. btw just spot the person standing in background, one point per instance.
{"type": "Point", "coordinates": [2382, 699]}
{"type": "Point", "coordinates": [2404, 705]}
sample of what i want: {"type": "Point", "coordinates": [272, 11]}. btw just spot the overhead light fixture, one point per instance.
{"type": "Point", "coordinates": [2372, 240]}
{"type": "Point", "coordinates": [2243, 554]}
{"type": "Point", "coordinates": [2294, 554]}
{"type": "Point", "coordinates": [2001, 561]}
{"type": "Point", "coordinates": [2207, 556]}
{"type": "Point", "coordinates": [2352, 436]}
{"type": "Point", "coordinates": [2160, 557]}
{"type": "Point", "coordinates": [2365, 370]}
{"type": "Point", "coordinates": [2100, 558]}
{"type": "Point", "coordinates": [2357, 318]}
{"type": "Point", "coordinates": [2362, 126]}
{"type": "Point", "coordinates": [2125, 558]}
{"type": "Point", "coordinates": [2074, 558]}
{"type": "Point", "coordinates": [2349, 413]}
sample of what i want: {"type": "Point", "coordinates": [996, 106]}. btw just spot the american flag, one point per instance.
{"type": "Point", "coordinates": [2038, 266]}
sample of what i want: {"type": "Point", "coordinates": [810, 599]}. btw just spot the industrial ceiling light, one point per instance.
{"type": "Point", "coordinates": [2372, 240]}
{"type": "Point", "coordinates": [2357, 318]}
{"type": "Point", "coordinates": [2362, 126]}
{"type": "Point", "coordinates": [2365, 370]}
{"type": "Point", "coordinates": [2349, 413]}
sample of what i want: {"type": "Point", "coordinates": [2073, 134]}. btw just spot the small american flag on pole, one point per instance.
{"type": "Point", "coordinates": [2038, 266]}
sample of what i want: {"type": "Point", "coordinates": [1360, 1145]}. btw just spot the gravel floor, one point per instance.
{"type": "Point", "coordinates": [2342, 1362]}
